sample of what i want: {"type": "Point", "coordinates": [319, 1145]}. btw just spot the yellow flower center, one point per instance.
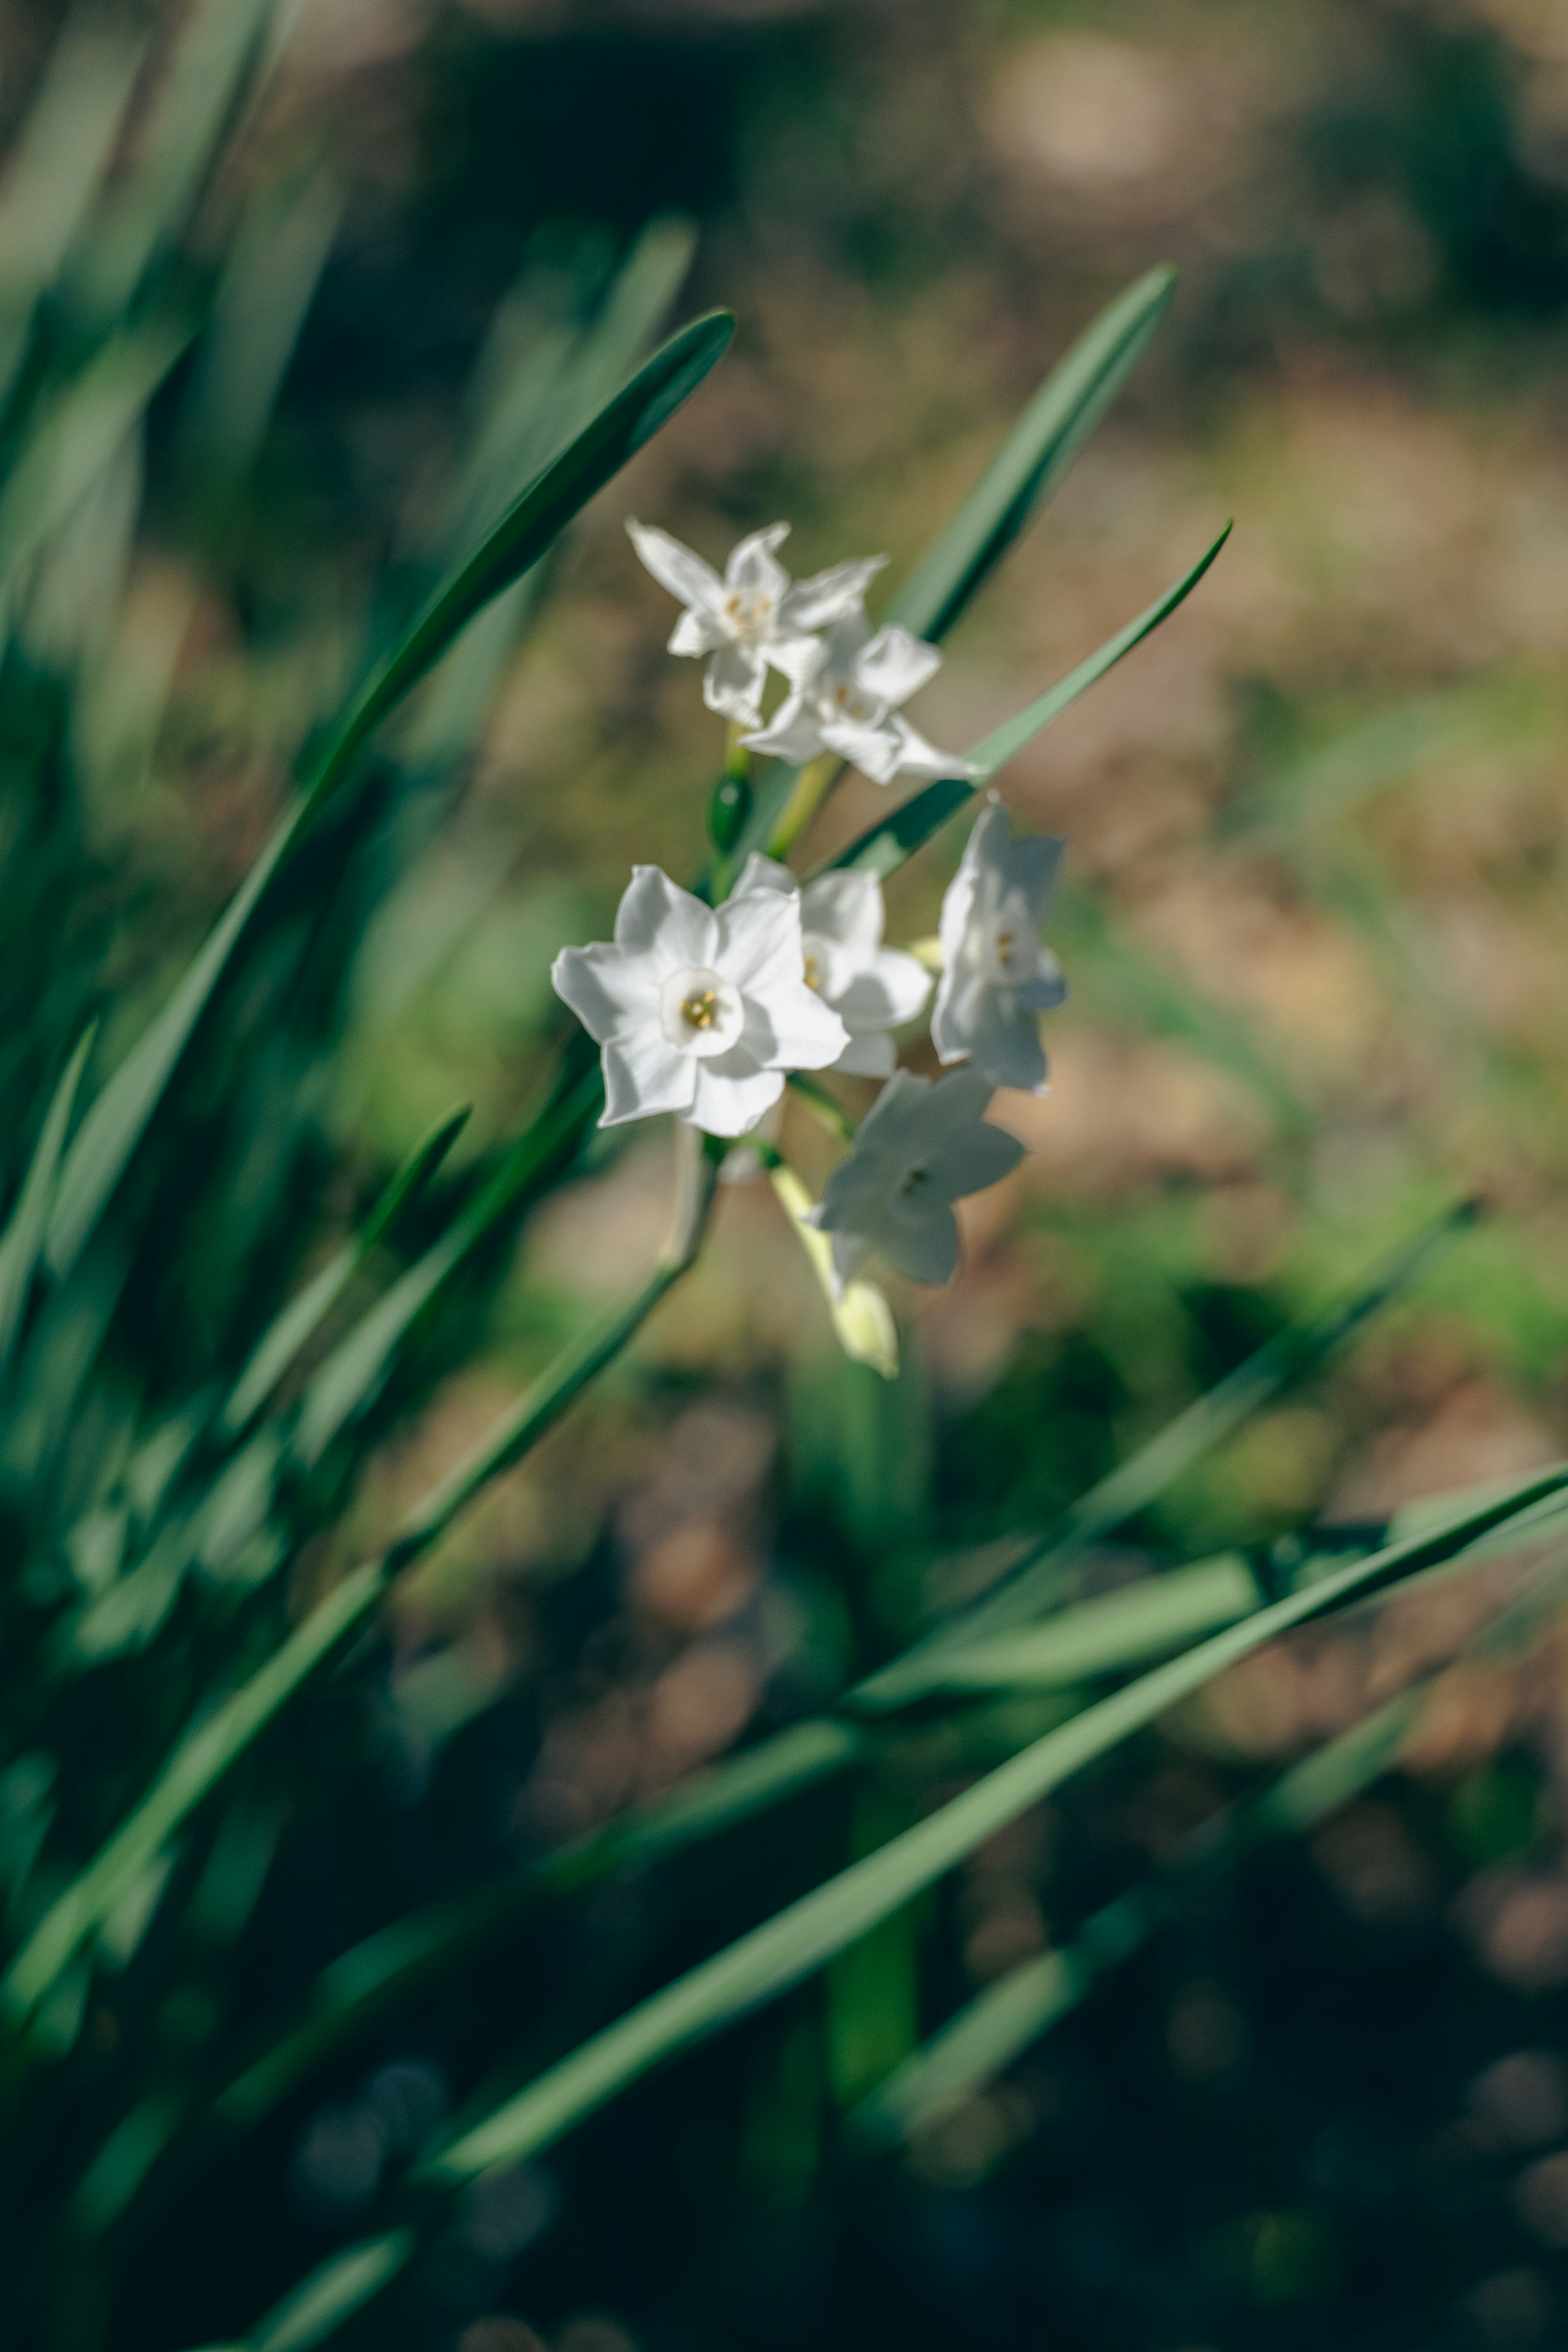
{"type": "Point", "coordinates": [701, 1010]}
{"type": "Point", "coordinates": [812, 972]}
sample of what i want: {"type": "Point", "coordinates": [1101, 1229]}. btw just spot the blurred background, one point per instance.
{"type": "Point", "coordinates": [1316, 929]}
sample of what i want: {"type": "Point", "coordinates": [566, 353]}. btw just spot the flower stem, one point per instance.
{"type": "Point", "coordinates": [811, 788]}
{"type": "Point", "coordinates": [828, 1107]}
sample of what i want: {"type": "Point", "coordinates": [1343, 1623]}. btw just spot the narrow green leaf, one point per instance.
{"type": "Point", "coordinates": [1102, 1636]}
{"type": "Point", "coordinates": [279, 1346]}
{"type": "Point", "coordinates": [210, 1751]}
{"type": "Point", "coordinates": [531, 524]}
{"type": "Point", "coordinates": [1034, 1582]}
{"type": "Point", "coordinates": [219, 42]}
{"type": "Point", "coordinates": [75, 436]}
{"type": "Point", "coordinates": [799, 1940]}
{"type": "Point", "coordinates": [116, 1121]}
{"type": "Point", "coordinates": [1020, 477]}
{"type": "Point", "coordinates": [23, 1233]}
{"type": "Point", "coordinates": [1001, 2023]}
{"type": "Point", "coordinates": [886, 845]}
{"type": "Point", "coordinates": [333, 2293]}
{"type": "Point", "coordinates": [1037, 452]}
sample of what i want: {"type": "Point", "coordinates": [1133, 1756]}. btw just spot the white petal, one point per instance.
{"type": "Point", "coordinates": [752, 563]}
{"type": "Point", "coordinates": [958, 914]}
{"type": "Point", "coordinates": [894, 1120]}
{"type": "Point", "coordinates": [679, 569]}
{"type": "Point", "coordinates": [995, 1032]}
{"type": "Point", "coordinates": [759, 941]}
{"type": "Point", "coordinates": [829, 595]}
{"type": "Point", "coordinates": [893, 665]}
{"type": "Point", "coordinates": [891, 989]}
{"type": "Point", "coordinates": [695, 633]}
{"type": "Point", "coordinates": [760, 873]}
{"type": "Point", "coordinates": [792, 734]}
{"type": "Point", "coordinates": [926, 1252]}
{"type": "Point", "coordinates": [643, 1074]}
{"type": "Point", "coordinates": [1033, 865]}
{"type": "Point", "coordinates": [803, 660]}
{"type": "Point", "coordinates": [733, 1105]}
{"type": "Point", "coordinates": [868, 1057]}
{"type": "Point", "coordinates": [873, 749]}
{"type": "Point", "coordinates": [607, 990]}
{"type": "Point", "coordinates": [916, 757]}
{"type": "Point", "coordinates": [847, 908]}
{"type": "Point", "coordinates": [975, 1159]}
{"type": "Point", "coordinates": [796, 1031]}
{"type": "Point", "coordinates": [851, 1254]}
{"type": "Point", "coordinates": [1047, 989]}
{"type": "Point", "coordinates": [657, 918]}
{"type": "Point", "coordinates": [733, 681]}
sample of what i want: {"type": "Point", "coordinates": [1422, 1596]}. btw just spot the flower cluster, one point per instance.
{"type": "Point", "coordinates": [704, 1010]}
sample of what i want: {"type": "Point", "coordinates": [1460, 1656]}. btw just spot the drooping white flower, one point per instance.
{"type": "Point", "coordinates": [871, 988]}
{"type": "Point", "coordinates": [996, 974]}
{"type": "Point", "coordinates": [747, 619]}
{"type": "Point", "coordinates": [699, 1010]}
{"type": "Point", "coordinates": [921, 1146]}
{"type": "Point", "coordinates": [848, 693]}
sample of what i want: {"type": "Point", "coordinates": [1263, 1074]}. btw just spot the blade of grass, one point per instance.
{"type": "Point", "coordinates": [885, 846]}
{"type": "Point", "coordinates": [801, 1938]}
{"type": "Point", "coordinates": [1035, 1579]}
{"type": "Point", "coordinates": [1037, 452]}
{"type": "Point", "coordinates": [114, 1126]}
{"type": "Point", "coordinates": [1104, 1635]}
{"type": "Point", "coordinates": [24, 1233]}
{"type": "Point", "coordinates": [210, 1751]}
{"type": "Point", "coordinates": [1013, 487]}
{"type": "Point", "coordinates": [292, 1329]}
{"type": "Point", "coordinates": [1000, 2023]}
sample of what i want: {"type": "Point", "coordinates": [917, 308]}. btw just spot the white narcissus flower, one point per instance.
{"type": "Point", "coordinates": [699, 1010]}
{"type": "Point", "coordinates": [996, 974]}
{"type": "Point", "coordinates": [846, 698]}
{"type": "Point", "coordinates": [871, 988]}
{"type": "Point", "coordinates": [921, 1146]}
{"type": "Point", "coordinates": [748, 618]}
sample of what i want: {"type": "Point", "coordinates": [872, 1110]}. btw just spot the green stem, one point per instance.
{"type": "Point", "coordinates": [826, 1105]}
{"type": "Point", "coordinates": [812, 787]}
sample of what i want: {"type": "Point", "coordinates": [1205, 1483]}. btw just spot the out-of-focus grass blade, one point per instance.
{"type": "Point", "coordinates": [1000, 2023]}
{"type": "Point", "coordinates": [281, 1344]}
{"type": "Point", "coordinates": [1037, 452]}
{"type": "Point", "coordinates": [210, 1750]}
{"type": "Point", "coordinates": [334, 2291]}
{"type": "Point", "coordinates": [57, 164]}
{"type": "Point", "coordinates": [532, 522]}
{"type": "Point", "coordinates": [1033, 1581]}
{"type": "Point", "coordinates": [114, 1124]}
{"type": "Point", "coordinates": [352, 1373]}
{"type": "Point", "coordinates": [1104, 1635]}
{"type": "Point", "coordinates": [884, 847]}
{"type": "Point", "coordinates": [358, 1988]}
{"type": "Point", "coordinates": [76, 438]}
{"type": "Point", "coordinates": [24, 1233]}
{"type": "Point", "coordinates": [522, 422]}
{"type": "Point", "coordinates": [269, 275]}
{"type": "Point", "coordinates": [219, 41]}
{"type": "Point", "coordinates": [799, 1940]}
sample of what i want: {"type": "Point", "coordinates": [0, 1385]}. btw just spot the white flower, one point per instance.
{"type": "Point", "coordinates": [847, 698]}
{"type": "Point", "coordinates": [746, 620]}
{"type": "Point", "coordinates": [921, 1147]}
{"type": "Point", "coordinates": [871, 988]}
{"type": "Point", "coordinates": [699, 1010]}
{"type": "Point", "coordinates": [996, 974]}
